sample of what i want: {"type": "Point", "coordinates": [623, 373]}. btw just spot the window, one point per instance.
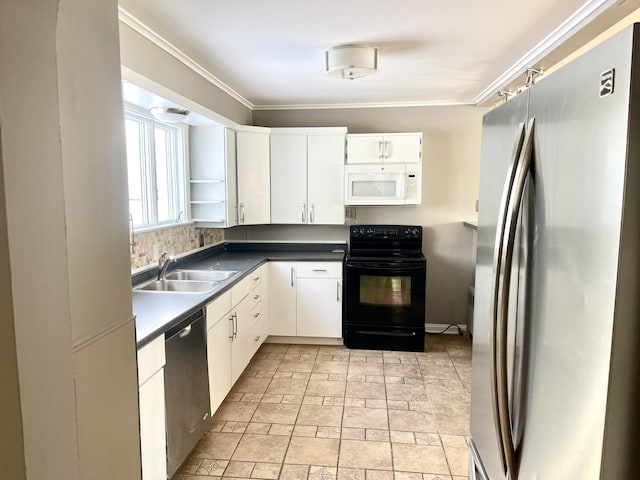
{"type": "Point", "coordinates": [156, 159]}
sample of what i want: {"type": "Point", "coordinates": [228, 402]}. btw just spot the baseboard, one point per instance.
{"type": "Point", "coordinates": [304, 340]}
{"type": "Point", "coordinates": [446, 328]}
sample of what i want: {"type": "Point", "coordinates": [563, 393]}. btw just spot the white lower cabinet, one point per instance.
{"type": "Point", "coordinates": [153, 444]}
{"type": "Point", "coordinates": [306, 299]}
{"type": "Point", "coordinates": [219, 339]}
{"type": "Point", "coordinates": [236, 327]}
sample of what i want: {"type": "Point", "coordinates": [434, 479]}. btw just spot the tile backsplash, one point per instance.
{"type": "Point", "coordinates": [174, 240]}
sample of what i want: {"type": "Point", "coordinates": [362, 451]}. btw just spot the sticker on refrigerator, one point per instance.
{"type": "Point", "coordinates": [606, 82]}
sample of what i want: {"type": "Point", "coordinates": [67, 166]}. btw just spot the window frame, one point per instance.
{"type": "Point", "coordinates": [177, 169]}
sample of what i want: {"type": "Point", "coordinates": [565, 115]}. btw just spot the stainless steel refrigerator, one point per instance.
{"type": "Point", "coordinates": [556, 347]}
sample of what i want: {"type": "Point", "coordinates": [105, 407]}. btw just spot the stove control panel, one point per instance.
{"type": "Point", "coordinates": [376, 232]}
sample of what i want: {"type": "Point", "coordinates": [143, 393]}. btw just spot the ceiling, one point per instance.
{"type": "Point", "coordinates": [270, 54]}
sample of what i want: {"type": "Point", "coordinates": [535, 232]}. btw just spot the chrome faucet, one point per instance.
{"type": "Point", "coordinates": [163, 264]}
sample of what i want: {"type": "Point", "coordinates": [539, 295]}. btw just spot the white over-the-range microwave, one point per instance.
{"type": "Point", "coordinates": [383, 184]}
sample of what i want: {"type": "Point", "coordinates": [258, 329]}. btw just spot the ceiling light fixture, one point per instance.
{"type": "Point", "coordinates": [351, 61]}
{"type": "Point", "coordinates": [169, 114]}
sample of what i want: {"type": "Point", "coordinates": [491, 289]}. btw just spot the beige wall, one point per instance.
{"type": "Point", "coordinates": [451, 166]}
{"type": "Point", "coordinates": [143, 57]}
{"type": "Point", "coordinates": [66, 225]}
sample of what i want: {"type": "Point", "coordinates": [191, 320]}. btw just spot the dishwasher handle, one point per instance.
{"type": "Point", "coordinates": [183, 327]}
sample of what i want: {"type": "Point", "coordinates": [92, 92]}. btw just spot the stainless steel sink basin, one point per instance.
{"type": "Point", "coordinates": [180, 286]}
{"type": "Point", "coordinates": [201, 275]}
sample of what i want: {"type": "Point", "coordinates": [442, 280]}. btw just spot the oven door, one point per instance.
{"type": "Point", "coordinates": [389, 294]}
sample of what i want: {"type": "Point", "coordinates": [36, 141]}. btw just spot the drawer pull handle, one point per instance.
{"type": "Point", "coordinates": [319, 269]}
{"type": "Point", "coordinates": [256, 315]}
{"type": "Point", "coordinates": [255, 297]}
{"type": "Point", "coordinates": [255, 279]}
{"type": "Point", "coordinates": [257, 338]}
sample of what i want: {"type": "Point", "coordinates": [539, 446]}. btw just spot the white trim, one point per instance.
{"type": "Point", "coordinates": [330, 106]}
{"type": "Point", "coordinates": [84, 342]}
{"type": "Point", "coordinates": [553, 40]}
{"type": "Point", "coordinates": [155, 38]}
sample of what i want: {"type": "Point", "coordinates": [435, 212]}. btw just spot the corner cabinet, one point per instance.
{"type": "Point", "coordinates": [309, 299]}
{"type": "Point", "coordinates": [384, 148]}
{"type": "Point", "coordinates": [153, 444]}
{"type": "Point", "coordinates": [307, 175]}
{"type": "Point", "coordinates": [212, 182]}
{"type": "Point", "coordinates": [252, 157]}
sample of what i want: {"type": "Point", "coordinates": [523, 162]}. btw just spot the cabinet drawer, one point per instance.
{"type": "Point", "coordinates": [255, 315]}
{"type": "Point", "coordinates": [150, 359]}
{"type": "Point", "coordinates": [255, 296]}
{"type": "Point", "coordinates": [319, 270]}
{"type": "Point", "coordinates": [218, 309]}
{"type": "Point", "coordinates": [245, 286]}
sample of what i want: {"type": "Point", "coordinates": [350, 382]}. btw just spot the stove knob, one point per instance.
{"type": "Point", "coordinates": [362, 230]}
{"type": "Point", "coordinates": [415, 232]}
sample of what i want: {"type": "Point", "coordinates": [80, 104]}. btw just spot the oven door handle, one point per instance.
{"type": "Point", "coordinates": [389, 266]}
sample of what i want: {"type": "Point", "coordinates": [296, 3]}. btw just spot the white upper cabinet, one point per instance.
{"type": "Point", "coordinates": [307, 175]}
{"type": "Point", "coordinates": [212, 182]}
{"type": "Point", "coordinates": [384, 148]}
{"type": "Point", "coordinates": [252, 147]}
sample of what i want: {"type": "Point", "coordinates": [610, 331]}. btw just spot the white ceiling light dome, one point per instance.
{"type": "Point", "coordinates": [351, 61]}
{"type": "Point", "coordinates": [169, 114]}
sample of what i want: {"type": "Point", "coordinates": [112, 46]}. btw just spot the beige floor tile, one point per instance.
{"type": "Point", "coordinates": [303, 349]}
{"type": "Point", "coordinates": [401, 370]}
{"type": "Point", "coordinates": [269, 471]}
{"type": "Point", "coordinates": [453, 419]}
{"type": "Point", "coordinates": [458, 459]}
{"type": "Point", "coordinates": [371, 455]}
{"type": "Point", "coordinates": [366, 390]}
{"type": "Point", "coordinates": [287, 386]}
{"type": "Point", "coordinates": [319, 472]}
{"type": "Point", "coordinates": [407, 476]}
{"type": "Point", "coordinates": [379, 475]}
{"type": "Point", "coordinates": [432, 439]}
{"type": "Point", "coordinates": [411, 421]}
{"type": "Point", "coordinates": [261, 448]}
{"type": "Point", "coordinates": [365, 418]}
{"type": "Point", "coordinates": [375, 435]}
{"type": "Point", "coordinates": [355, 402]}
{"type": "Point", "coordinates": [364, 368]}
{"type": "Point", "coordinates": [239, 469]}
{"type": "Point", "coordinates": [449, 396]}
{"type": "Point", "coordinates": [331, 367]}
{"type": "Point", "coordinates": [406, 392]}
{"type": "Point", "coordinates": [280, 429]}
{"type": "Point", "coordinates": [273, 348]}
{"type": "Point", "coordinates": [375, 403]}
{"type": "Point", "coordinates": [320, 415]}
{"type": "Point", "coordinates": [304, 430]}
{"type": "Point", "coordinates": [295, 366]}
{"type": "Point", "coordinates": [352, 433]}
{"type": "Point", "coordinates": [251, 385]}
{"type": "Point", "coordinates": [402, 437]}
{"type": "Point", "coordinates": [326, 388]}
{"type": "Point", "coordinates": [294, 472]}
{"type": "Point", "coordinates": [457, 441]}
{"type": "Point", "coordinates": [419, 458]}
{"type": "Point", "coordinates": [328, 432]}
{"type": "Point", "coordinates": [313, 451]}
{"type": "Point", "coordinates": [235, 412]}
{"type": "Point", "coordinates": [263, 364]}
{"type": "Point", "coordinates": [276, 413]}
{"type": "Point", "coordinates": [351, 474]}
{"type": "Point", "coordinates": [217, 445]}
{"type": "Point", "coordinates": [212, 468]}
{"type": "Point", "coordinates": [259, 428]}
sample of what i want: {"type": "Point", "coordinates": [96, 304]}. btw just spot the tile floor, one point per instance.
{"type": "Point", "coordinates": [329, 413]}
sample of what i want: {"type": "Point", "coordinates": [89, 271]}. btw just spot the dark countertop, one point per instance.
{"type": "Point", "coordinates": [157, 312]}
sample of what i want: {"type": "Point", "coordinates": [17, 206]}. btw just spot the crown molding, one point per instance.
{"type": "Point", "coordinates": [332, 106]}
{"type": "Point", "coordinates": [566, 29]}
{"type": "Point", "coordinates": [158, 40]}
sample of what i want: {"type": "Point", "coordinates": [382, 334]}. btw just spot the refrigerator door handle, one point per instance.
{"type": "Point", "coordinates": [498, 273]}
{"type": "Point", "coordinates": [511, 222]}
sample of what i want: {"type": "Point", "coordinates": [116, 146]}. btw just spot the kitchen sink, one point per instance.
{"type": "Point", "coordinates": [201, 275]}
{"type": "Point", "coordinates": [180, 286]}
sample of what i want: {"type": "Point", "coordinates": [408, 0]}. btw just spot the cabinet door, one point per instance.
{"type": "Point", "coordinates": [252, 149]}
{"type": "Point", "coordinates": [219, 338]}
{"type": "Point", "coordinates": [243, 346]}
{"type": "Point", "coordinates": [326, 179]}
{"type": "Point", "coordinates": [289, 178]}
{"type": "Point", "coordinates": [403, 148]}
{"type": "Point", "coordinates": [364, 148]}
{"type": "Point", "coordinates": [282, 298]}
{"type": "Point", "coordinates": [319, 307]}
{"type": "Point", "coordinates": [231, 180]}
{"type": "Point", "coordinates": [153, 446]}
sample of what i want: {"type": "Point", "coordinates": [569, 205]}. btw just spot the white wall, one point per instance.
{"type": "Point", "coordinates": [450, 180]}
{"type": "Point", "coordinates": [66, 225]}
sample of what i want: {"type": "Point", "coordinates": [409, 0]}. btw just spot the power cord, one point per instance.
{"type": "Point", "coordinates": [460, 332]}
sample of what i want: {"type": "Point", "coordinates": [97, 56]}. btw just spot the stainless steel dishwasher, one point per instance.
{"type": "Point", "coordinates": [186, 388]}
